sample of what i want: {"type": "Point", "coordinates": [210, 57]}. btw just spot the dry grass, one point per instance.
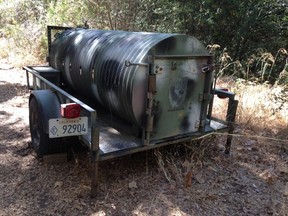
{"type": "Point", "coordinates": [259, 151]}
{"type": "Point", "coordinates": [260, 105]}
{"type": "Point", "coordinates": [179, 163]}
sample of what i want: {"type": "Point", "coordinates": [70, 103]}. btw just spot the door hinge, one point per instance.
{"type": "Point", "coordinates": [152, 84]}
{"type": "Point", "coordinates": [204, 97]}
{"type": "Point", "coordinates": [199, 123]}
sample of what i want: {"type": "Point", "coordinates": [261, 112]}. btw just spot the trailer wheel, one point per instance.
{"type": "Point", "coordinates": [41, 142]}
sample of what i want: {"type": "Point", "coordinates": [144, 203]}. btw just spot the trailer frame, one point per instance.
{"type": "Point", "coordinates": [36, 81]}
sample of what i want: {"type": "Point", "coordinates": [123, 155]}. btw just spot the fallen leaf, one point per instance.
{"type": "Point", "coordinates": [213, 169]}
{"type": "Point", "coordinates": [283, 169]}
{"type": "Point", "coordinates": [199, 179]}
{"type": "Point", "coordinates": [132, 185]}
{"type": "Point", "coordinates": [58, 184]}
{"type": "Point", "coordinates": [188, 179]}
{"type": "Point", "coordinates": [269, 176]}
{"type": "Point", "coordinates": [187, 164]}
{"type": "Point", "coordinates": [251, 142]}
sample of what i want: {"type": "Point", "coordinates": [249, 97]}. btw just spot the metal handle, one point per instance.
{"type": "Point", "coordinates": [128, 64]}
{"type": "Point", "coordinates": [206, 68]}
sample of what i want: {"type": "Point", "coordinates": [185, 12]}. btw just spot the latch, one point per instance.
{"type": "Point", "coordinates": [149, 123]}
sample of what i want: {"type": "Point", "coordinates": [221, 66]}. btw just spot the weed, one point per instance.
{"type": "Point", "coordinates": [180, 162]}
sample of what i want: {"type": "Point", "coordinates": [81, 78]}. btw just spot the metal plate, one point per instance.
{"type": "Point", "coordinates": [62, 127]}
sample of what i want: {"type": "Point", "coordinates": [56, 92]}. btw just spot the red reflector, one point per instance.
{"type": "Point", "coordinates": [223, 89]}
{"type": "Point", "coordinates": [70, 110]}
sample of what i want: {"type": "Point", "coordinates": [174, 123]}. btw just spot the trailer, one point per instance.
{"type": "Point", "coordinates": [119, 93]}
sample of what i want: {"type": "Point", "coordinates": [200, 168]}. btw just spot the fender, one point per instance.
{"type": "Point", "coordinates": [49, 105]}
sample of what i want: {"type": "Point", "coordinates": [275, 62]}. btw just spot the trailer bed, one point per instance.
{"type": "Point", "coordinates": [114, 143]}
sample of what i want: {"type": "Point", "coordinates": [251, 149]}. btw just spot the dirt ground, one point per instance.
{"type": "Point", "coordinates": [252, 180]}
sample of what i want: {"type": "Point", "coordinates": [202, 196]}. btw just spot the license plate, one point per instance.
{"type": "Point", "coordinates": [63, 127]}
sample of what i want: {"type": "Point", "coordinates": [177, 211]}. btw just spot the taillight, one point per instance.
{"type": "Point", "coordinates": [70, 110]}
{"type": "Point", "coordinates": [221, 96]}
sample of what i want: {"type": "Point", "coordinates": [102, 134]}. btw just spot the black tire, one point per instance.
{"type": "Point", "coordinates": [40, 141]}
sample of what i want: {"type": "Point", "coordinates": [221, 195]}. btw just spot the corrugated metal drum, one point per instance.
{"type": "Point", "coordinates": [93, 63]}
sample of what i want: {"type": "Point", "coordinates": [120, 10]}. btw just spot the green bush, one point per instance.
{"type": "Point", "coordinates": [252, 34]}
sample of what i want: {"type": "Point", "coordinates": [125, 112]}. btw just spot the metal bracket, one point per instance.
{"type": "Point", "coordinates": [152, 84]}
{"type": "Point", "coordinates": [174, 65]}
{"type": "Point", "coordinates": [204, 96]}
{"type": "Point", "coordinates": [49, 35]}
{"type": "Point", "coordinates": [197, 124]}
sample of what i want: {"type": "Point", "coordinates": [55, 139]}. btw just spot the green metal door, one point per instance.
{"type": "Point", "coordinates": [177, 103]}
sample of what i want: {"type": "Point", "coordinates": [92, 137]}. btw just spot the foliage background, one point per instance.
{"type": "Point", "coordinates": [248, 37]}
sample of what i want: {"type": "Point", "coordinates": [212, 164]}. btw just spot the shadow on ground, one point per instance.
{"type": "Point", "coordinates": [196, 180]}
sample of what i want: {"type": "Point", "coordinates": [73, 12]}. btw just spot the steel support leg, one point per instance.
{"type": "Point", "coordinates": [230, 118]}
{"type": "Point", "coordinates": [94, 151]}
{"type": "Point", "coordinates": [94, 174]}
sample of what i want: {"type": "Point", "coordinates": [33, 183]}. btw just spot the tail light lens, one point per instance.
{"type": "Point", "coordinates": [70, 110]}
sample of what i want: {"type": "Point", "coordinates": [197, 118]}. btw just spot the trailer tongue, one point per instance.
{"type": "Point", "coordinates": [149, 90]}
